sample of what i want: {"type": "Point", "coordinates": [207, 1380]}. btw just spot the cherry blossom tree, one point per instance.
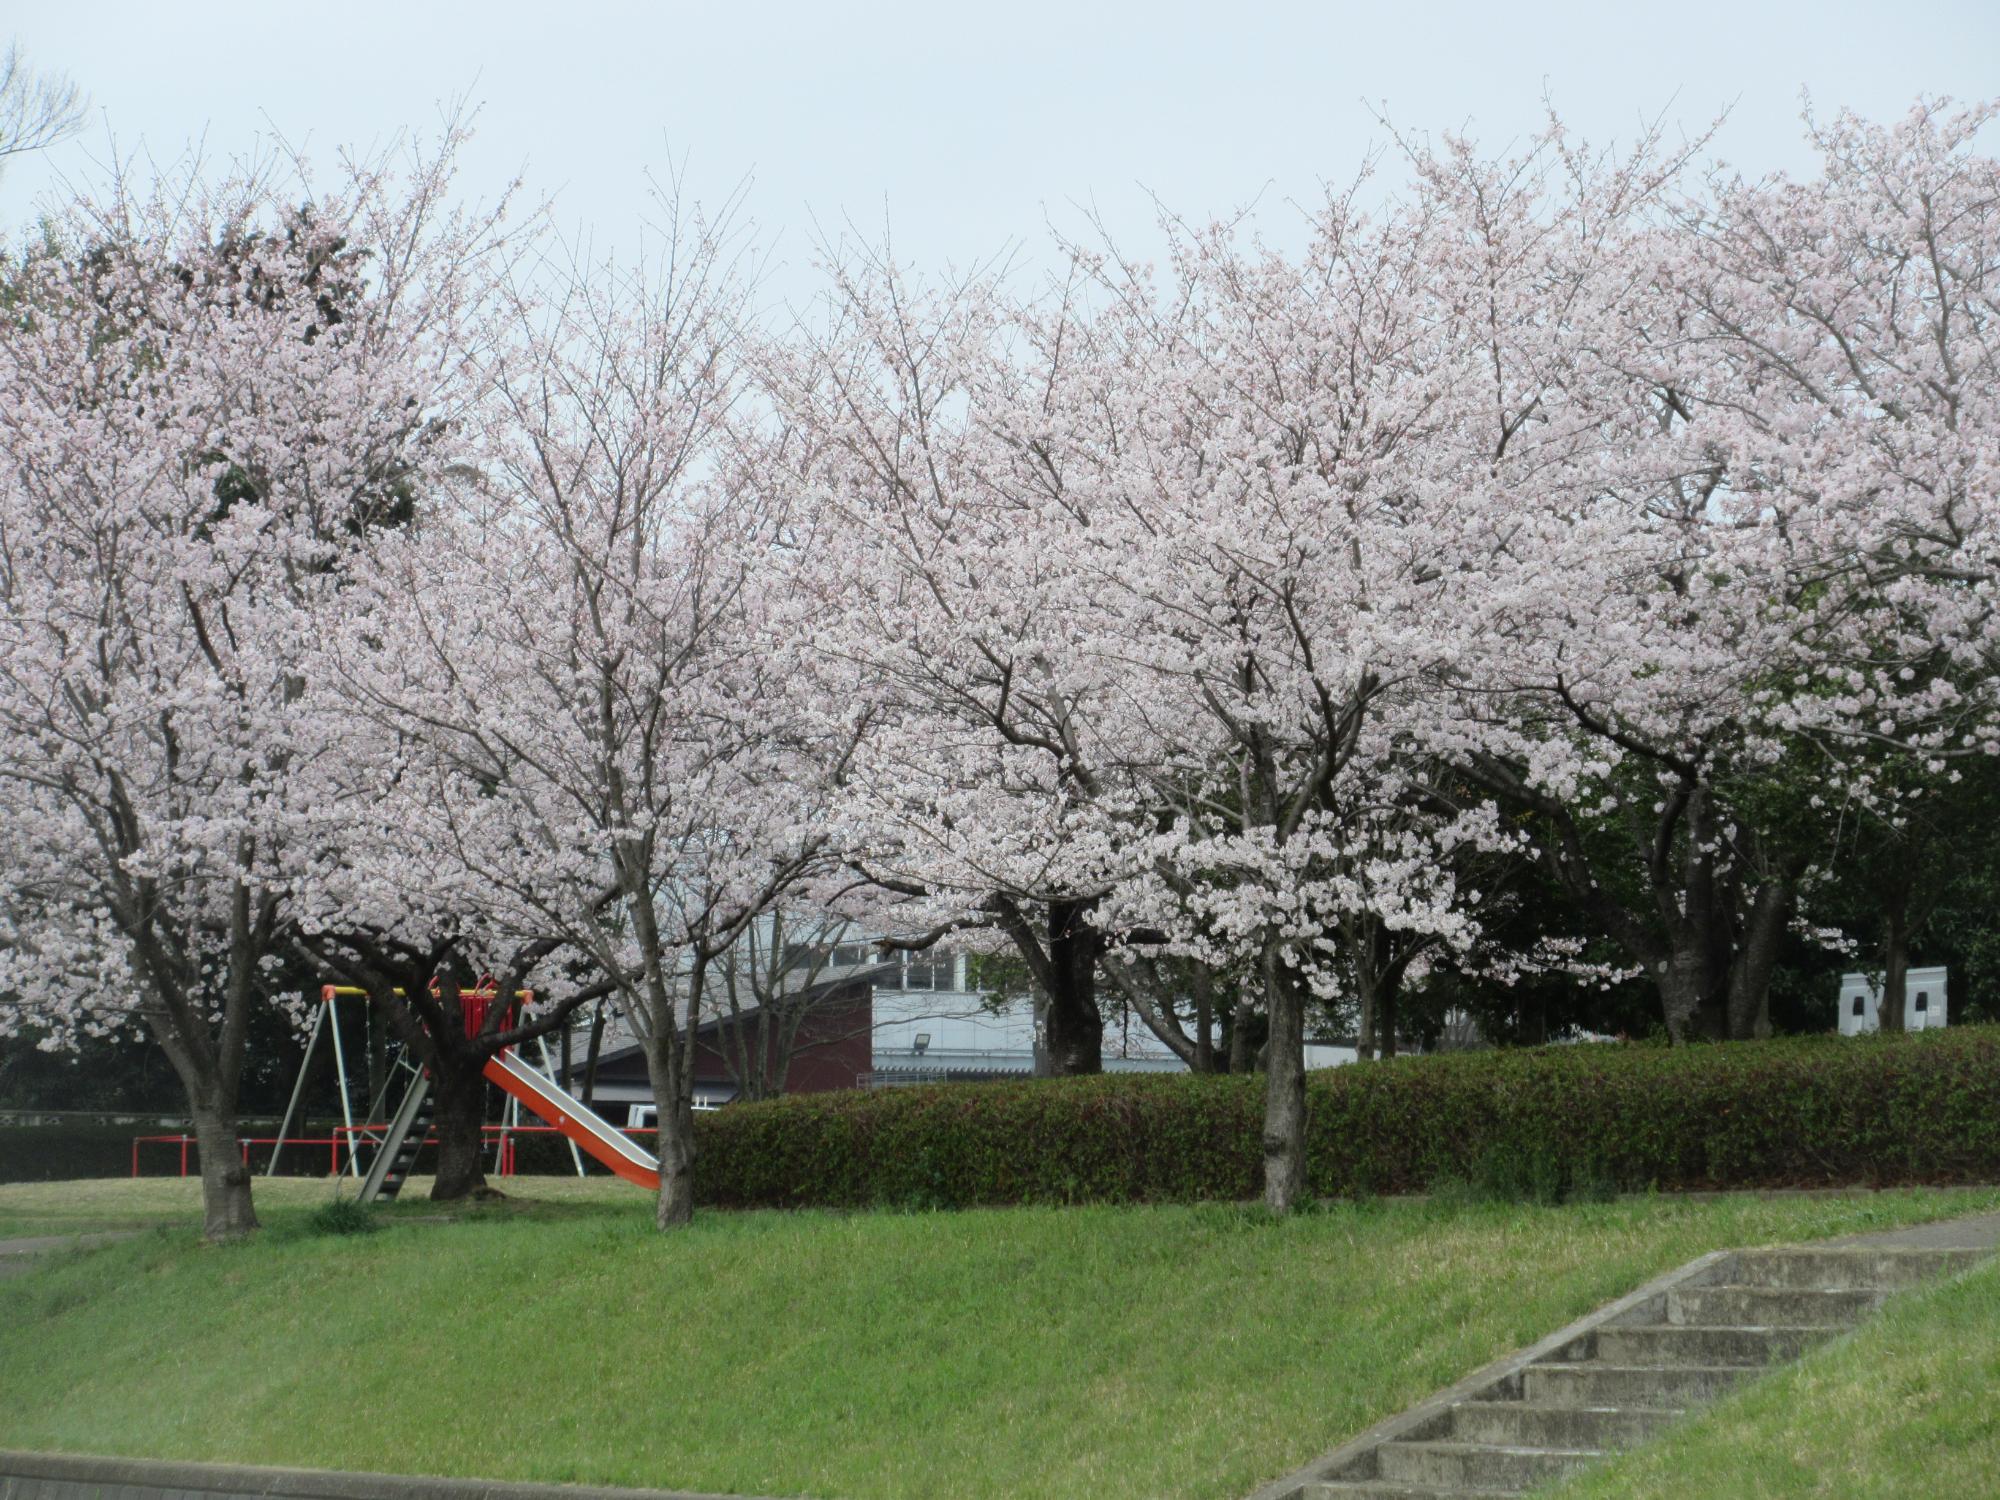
{"type": "Point", "coordinates": [1721, 635]}
{"type": "Point", "coordinates": [558, 658]}
{"type": "Point", "coordinates": [205, 397]}
{"type": "Point", "coordinates": [931, 581]}
{"type": "Point", "coordinates": [1846, 323]}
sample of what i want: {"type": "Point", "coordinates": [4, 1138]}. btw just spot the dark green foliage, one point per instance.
{"type": "Point", "coordinates": [1549, 1124]}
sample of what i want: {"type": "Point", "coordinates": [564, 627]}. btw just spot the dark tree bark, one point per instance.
{"type": "Point", "coordinates": [206, 1056]}
{"type": "Point", "coordinates": [1062, 960]}
{"type": "Point", "coordinates": [675, 1209]}
{"type": "Point", "coordinates": [459, 1116]}
{"type": "Point", "coordinates": [226, 1210]}
{"type": "Point", "coordinates": [1756, 958]}
{"type": "Point", "coordinates": [1240, 1017]}
{"type": "Point", "coordinates": [1284, 1085]}
{"type": "Point", "coordinates": [1075, 1025]}
{"type": "Point", "coordinates": [1895, 954]}
{"type": "Point", "coordinates": [670, 1067]}
{"type": "Point", "coordinates": [592, 1051]}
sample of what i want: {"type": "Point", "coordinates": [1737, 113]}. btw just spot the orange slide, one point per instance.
{"type": "Point", "coordinates": [568, 1114]}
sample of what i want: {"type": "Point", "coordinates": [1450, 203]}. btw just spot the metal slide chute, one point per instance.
{"type": "Point", "coordinates": [555, 1104]}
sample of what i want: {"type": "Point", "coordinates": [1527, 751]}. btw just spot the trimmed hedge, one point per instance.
{"type": "Point", "coordinates": [1796, 1112]}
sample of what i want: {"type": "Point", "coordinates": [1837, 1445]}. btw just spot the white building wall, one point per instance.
{"type": "Point", "coordinates": [1925, 1003]}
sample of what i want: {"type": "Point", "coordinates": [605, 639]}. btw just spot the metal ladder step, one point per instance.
{"type": "Point", "coordinates": [397, 1154]}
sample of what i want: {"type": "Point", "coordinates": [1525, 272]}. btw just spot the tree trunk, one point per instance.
{"type": "Point", "coordinates": [226, 1211]}
{"type": "Point", "coordinates": [1204, 1017]}
{"type": "Point", "coordinates": [1756, 957]}
{"type": "Point", "coordinates": [1385, 1015]}
{"type": "Point", "coordinates": [1284, 1087]}
{"type": "Point", "coordinates": [459, 1111]}
{"type": "Point", "coordinates": [1687, 989]}
{"type": "Point", "coordinates": [1038, 1000]}
{"type": "Point", "coordinates": [1075, 1025]}
{"type": "Point", "coordinates": [675, 1209]}
{"type": "Point", "coordinates": [1239, 1036]}
{"type": "Point", "coordinates": [1364, 1031]}
{"type": "Point", "coordinates": [1534, 1016]}
{"type": "Point", "coordinates": [591, 1053]}
{"type": "Point", "coordinates": [1895, 958]}
{"type": "Point", "coordinates": [674, 1131]}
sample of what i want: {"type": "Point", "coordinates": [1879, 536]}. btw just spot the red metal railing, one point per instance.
{"type": "Point", "coordinates": [245, 1142]}
{"type": "Point", "coordinates": [343, 1136]}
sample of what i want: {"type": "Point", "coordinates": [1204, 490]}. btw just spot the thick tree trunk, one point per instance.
{"type": "Point", "coordinates": [675, 1209]}
{"type": "Point", "coordinates": [1756, 957]}
{"type": "Point", "coordinates": [1284, 1087]}
{"type": "Point", "coordinates": [1688, 994]}
{"type": "Point", "coordinates": [1075, 1025]}
{"type": "Point", "coordinates": [674, 1131]}
{"type": "Point", "coordinates": [459, 1105]}
{"type": "Point", "coordinates": [226, 1211]}
{"type": "Point", "coordinates": [1203, 986]}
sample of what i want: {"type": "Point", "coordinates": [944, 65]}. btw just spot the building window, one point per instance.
{"type": "Point", "coordinates": [927, 971]}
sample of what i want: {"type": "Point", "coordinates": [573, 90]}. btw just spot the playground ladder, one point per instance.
{"type": "Point", "coordinates": [397, 1154]}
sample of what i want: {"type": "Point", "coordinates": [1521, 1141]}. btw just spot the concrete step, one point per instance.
{"type": "Point", "coordinates": [1522, 1424]}
{"type": "Point", "coordinates": [1671, 1344]}
{"type": "Point", "coordinates": [1771, 1306]}
{"type": "Point", "coordinates": [1477, 1466]}
{"type": "Point", "coordinates": [1656, 1387]}
{"type": "Point", "coordinates": [1846, 1269]}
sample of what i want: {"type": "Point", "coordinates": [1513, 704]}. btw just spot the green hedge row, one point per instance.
{"type": "Point", "coordinates": [1796, 1112]}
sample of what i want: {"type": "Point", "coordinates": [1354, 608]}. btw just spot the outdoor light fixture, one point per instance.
{"type": "Point", "coordinates": [923, 1040]}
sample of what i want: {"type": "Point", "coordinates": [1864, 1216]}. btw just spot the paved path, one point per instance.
{"type": "Point", "coordinates": [65, 1476]}
{"type": "Point", "coordinates": [1973, 1232]}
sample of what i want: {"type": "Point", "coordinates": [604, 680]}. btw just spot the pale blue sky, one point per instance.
{"type": "Point", "coordinates": [966, 128]}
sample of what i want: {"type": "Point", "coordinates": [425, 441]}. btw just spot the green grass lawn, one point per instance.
{"type": "Point", "coordinates": [1903, 1406]}
{"type": "Point", "coordinates": [1026, 1352]}
{"type": "Point", "coordinates": [37, 1208]}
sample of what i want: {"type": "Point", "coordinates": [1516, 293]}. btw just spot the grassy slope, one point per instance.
{"type": "Point", "coordinates": [1903, 1406]}
{"type": "Point", "coordinates": [1162, 1351]}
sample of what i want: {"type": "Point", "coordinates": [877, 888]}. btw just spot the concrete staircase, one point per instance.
{"type": "Point", "coordinates": [1619, 1377]}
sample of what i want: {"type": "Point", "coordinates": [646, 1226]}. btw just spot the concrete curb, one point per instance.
{"type": "Point", "coordinates": [1330, 1463]}
{"type": "Point", "coordinates": [76, 1476]}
